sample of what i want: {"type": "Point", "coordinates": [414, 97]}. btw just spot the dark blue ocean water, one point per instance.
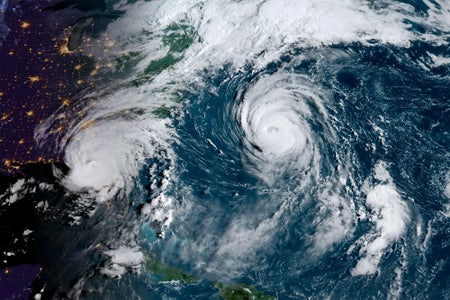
{"type": "Point", "coordinates": [377, 86]}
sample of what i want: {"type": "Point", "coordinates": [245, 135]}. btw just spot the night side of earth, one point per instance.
{"type": "Point", "coordinates": [223, 149]}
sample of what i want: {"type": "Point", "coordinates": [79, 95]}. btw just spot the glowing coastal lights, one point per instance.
{"type": "Point", "coordinates": [24, 25]}
{"type": "Point", "coordinates": [33, 79]}
{"type": "Point", "coordinates": [64, 46]}
{"type": "Point", "coordinates": [65, 102]}
{"type": "Point", "coordinates": [109, 43]}
{"type": "Point", "coordinates": [94, 71]}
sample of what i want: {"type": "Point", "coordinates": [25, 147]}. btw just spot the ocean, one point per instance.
{"type": "Point", "coordinates": [250, 149]}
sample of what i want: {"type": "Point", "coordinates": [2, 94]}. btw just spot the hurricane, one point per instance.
{"type": "Point", "coordinates": [251, 149]}
{"type": "Point", "coordinates": [273, 119]}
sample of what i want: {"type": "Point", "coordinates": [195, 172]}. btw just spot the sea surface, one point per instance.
{"type": "Point", "coordinates": [253, 149]}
